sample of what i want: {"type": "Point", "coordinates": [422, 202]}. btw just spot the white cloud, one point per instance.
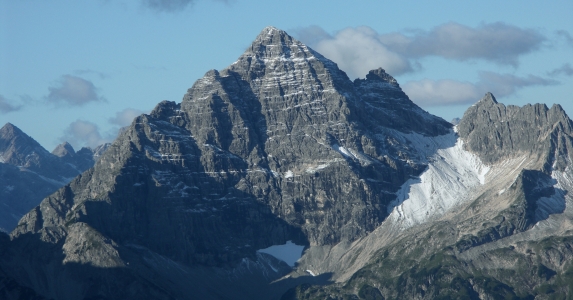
{"type": "Point", "coordinates": [7, 106]}
{"type": "Point", "coordinates": [125, 117]}
{"type": "Point", "coordinates": [503, 85]}
{"type": "Point", "coordinates": [73, 90]}
{"type": "Point", "coordinates": [356, 51]}
{"type": "Point", "coordinates": [429, 92]}
{"type": "Point", "coordinates": [361, 49]}
{"type": "Point", "coordinates": [496, 42]}
{"type": "Point", "coordinates": [84, 133]}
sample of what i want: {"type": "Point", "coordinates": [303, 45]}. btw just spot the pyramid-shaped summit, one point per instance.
{"type": "Point", "coordinates": [17, 148]}
{"type": "Point", "coordinates": [64, 149]}
{"type": "Point", "coordinates": [275, 59]}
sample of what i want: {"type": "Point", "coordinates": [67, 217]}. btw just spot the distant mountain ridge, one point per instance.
{"type": "Point", "coordinates": [282, 149]}
{"type": "Point", "coordinates": [28, 172]}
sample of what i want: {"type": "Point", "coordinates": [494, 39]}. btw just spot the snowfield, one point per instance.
{"type": "Point", "coordinates": [290, 252]}
{"type": "Point", "coordinates": [451, 175]}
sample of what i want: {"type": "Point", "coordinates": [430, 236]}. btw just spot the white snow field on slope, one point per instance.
{"type": "Point", "coordinates": [451, 175]}
{"type": "Point", "coordinates": [290, 252]}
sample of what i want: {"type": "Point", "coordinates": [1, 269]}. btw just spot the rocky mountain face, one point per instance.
{"type": "Point", "coordinates": [24, 163]}
{"type": "Point", "coordinates": [281, 146]}
{"type": "Point", "coordinates": [496, 132]}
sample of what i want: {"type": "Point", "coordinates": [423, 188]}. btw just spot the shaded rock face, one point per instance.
{"type": "Point", "coordinates": [24, 163]}
{"type": "Point", "coordinates": [9, 287]}
{"type": "Point", "coordinates": [279, 146]}
{"type": "Point", "coordinates": [495, 132]}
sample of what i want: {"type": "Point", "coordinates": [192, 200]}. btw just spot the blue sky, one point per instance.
{"type": "Point", "coordinates": [80, 70]}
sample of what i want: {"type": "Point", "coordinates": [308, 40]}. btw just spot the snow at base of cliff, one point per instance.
{"type": "Point", "coordinates": [290, 252]}
{"type": "Point", "coordinates": [451, 175]}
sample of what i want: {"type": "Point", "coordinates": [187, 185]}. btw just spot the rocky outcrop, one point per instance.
{"type": "Point", "coordinates": [495, 132]}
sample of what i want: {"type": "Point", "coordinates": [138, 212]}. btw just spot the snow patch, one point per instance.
{"type": "Point", "coordinates": [451, 175]}
{"type": "Point", "coordinates": [555, 203]}
{"type": "Point", "coordinates": [290, 252]}
{"type": "Point", "coordinates": [345, 152]}
{"type": "Point", "coordinates": [316, 168]}
{"type": "Point", "coordinates": [352, 154]}
{"type": "Point", "coordinates": [289, 174]}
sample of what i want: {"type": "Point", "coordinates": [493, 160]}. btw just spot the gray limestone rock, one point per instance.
{"type": "Point", "coordinates": [496, 132]}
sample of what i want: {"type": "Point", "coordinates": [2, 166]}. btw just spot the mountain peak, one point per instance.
{"type": "Point", "coordinates": [9, 130]}
{"type": "Point", "coordinates": [272, 41]}
{"type": "Point", "coordinates": [12, 136]}
{"type": "Point", "coordinates": [64, 149]}
{"type": "Point", "coordinates": [495, 132]}
{"type": "Point", "coordinates": [270, 33]}
{"type": "Point", "coordinates": [282, 61]}
{"type": "Point", "coordinates": [272, 30]}
{"type": "Point", "coordinates": [381, 75]}
{"type": "Point", "coordinates": [488, 98]}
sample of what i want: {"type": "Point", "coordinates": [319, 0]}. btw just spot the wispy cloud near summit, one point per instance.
{"type": "Point", "coordinates": [429, 92]}
{"type": "Point", "coordinates": [125, 117]}
{"type": "Point", "coordinates": [81, 132]}
{"type": "Point", "coordinates": [358, 50]}
{"type": "Point", "coordinates": [355, 50]}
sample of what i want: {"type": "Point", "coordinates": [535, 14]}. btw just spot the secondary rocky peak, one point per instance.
{"type": "Point", "coordinates": [381, 75]}
{"type": "Point", "coordinates": [64, 149]}
{"type": "Point", "coordinates": [9, 132]}
{"type": "Point", "coordinates": [488, 98]}
{"type": "Point", "coordinates": [557, 115]}
{"type": "Point", "coordinates": [8, 128]}
{"type": "Point", "coordinates": [495, 132]}
{"type": "Point", "coordinates": [18, 148]}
